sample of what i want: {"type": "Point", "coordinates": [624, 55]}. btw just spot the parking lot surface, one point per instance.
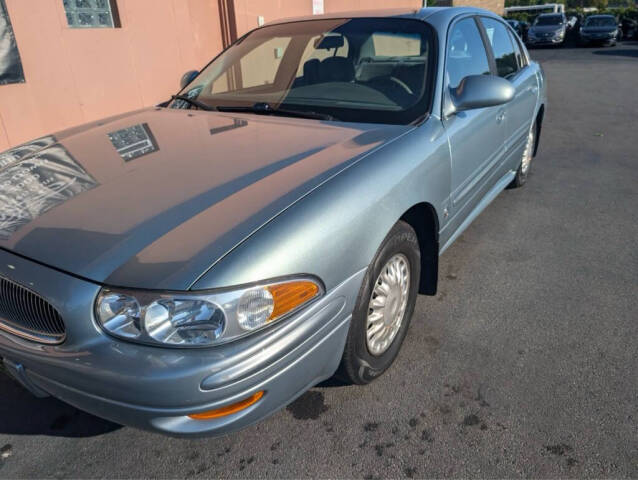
{"type": "Point", "coordinates": [524, 364]}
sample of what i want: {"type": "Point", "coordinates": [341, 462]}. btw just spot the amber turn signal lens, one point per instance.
{"type": "Point", "coordinates": [288, 296]}
{"type": "Point", "coordinates": [229, 409]}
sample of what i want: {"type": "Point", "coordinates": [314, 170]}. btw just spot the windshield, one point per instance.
{"type": "Point", "coordinates": [600, 22]}
{"type": "Point", "coordinates": [548, 20]}
{"type": "Point", "coordinates": [358, 70]}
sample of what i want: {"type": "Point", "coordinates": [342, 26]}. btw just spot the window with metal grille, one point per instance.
{"type": "Point", "coordinates": [91, 13]}
{"type": "Point", "coordinates": [10, 65]}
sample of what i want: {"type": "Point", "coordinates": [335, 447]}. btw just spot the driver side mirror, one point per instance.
{"type": "Point", "coordinates": [187, 78]}
{"type": "Point", "coordinates": [479, 91]}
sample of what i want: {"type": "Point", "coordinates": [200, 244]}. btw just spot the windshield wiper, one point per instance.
{"type": "Point", "coordinates": [265, 109]}
{"type": "Point", "coordinates": [194, 102]}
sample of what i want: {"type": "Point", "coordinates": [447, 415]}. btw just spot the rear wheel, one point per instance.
{"type": "Point", "coordinates": [526, 162]}
{"type": "Point", "coordinates": [384, 307]}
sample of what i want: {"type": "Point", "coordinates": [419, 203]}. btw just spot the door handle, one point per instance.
{"type": "Point", "coordinates": [500, 117]}
{"type": "Point", "coordinates": [534, 90]}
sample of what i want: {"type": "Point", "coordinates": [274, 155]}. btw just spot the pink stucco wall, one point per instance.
{"type": "Point", "coordinates": [78, 75]}
{"type": "Point", "coordinates": [248, 11]}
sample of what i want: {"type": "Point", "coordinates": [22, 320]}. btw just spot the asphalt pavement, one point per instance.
{"type": "Point", "coordinates": [524, 365]}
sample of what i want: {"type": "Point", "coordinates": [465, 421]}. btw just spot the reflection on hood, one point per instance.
{"type": "Point", "coordinates": [151, 198]}
{"type": "Point", "coordinates": [35, 185]}
{"type": "Point", "coordinates": [17, 153]}
{"type": "Point", "coordinates": [133, 142]}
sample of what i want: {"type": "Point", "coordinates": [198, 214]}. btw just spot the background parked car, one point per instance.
{"type": "Point", "coordinates": [600, 29]}
{"type": "Point", "coordinates": [548, 29]}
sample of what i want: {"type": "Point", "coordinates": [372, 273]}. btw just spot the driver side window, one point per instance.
{"type": "Point", "coordinates": [466, 53]}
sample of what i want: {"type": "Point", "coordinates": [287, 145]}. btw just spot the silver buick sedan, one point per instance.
{"type": "Point", "coordinates": [194, 267]}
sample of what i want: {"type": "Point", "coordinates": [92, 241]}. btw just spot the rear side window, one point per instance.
{"type": "Point", "coordinates": [520, 59]}
{"type": "Point", "coordinates": [382, 44]}
{"type": "Point", "coordinates": [501, 42]}
{"type": "Point", "coordinates": [465, 53]}
{"type": "Point", "coordinates": [312, 54]}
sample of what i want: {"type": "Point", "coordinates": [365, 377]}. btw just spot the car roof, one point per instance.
{"type": "Point", "coordinates": [602, 15]}
{"type": "Point", "coordinates": [442, 13]}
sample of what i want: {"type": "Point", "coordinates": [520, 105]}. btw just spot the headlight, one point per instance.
{"type": "Point", "coordinates": [195, 319]}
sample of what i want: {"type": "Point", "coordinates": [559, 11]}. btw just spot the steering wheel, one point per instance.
{"type": "Point", "coordinates": [393, 88]}
{"type": "Point", "coordinates": [401, 83]}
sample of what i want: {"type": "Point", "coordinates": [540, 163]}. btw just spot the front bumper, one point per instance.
{"type": "Point", "coordinates": [157, 388]}
{"type": "Point", "coordinates": [545, 40]}
{"type": "Point", "coordinates": [584, 38]}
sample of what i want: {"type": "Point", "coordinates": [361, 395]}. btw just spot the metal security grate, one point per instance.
{"type": "Point", "coordinates": [26, 314]}
{"type": "Point", "coordinates": [91, 13]}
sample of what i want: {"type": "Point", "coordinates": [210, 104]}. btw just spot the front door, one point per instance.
{"type": "Point", "coordinates": [476, 136]}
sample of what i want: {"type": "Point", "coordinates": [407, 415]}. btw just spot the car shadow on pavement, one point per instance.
{"type": "Point", "coordinates": [621, 53]}
{"type": "Point", "coordinates": [23, 414]}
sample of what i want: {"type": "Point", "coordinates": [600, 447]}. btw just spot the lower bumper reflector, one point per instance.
{"type": "Point", "coordinates": [229, 409]}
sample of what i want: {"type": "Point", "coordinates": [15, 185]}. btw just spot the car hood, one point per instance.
{"type": "Point", "coordinates": [546, 29]}
{"type": "Point", "coordinates": [153, 198]}
{"type": "Point", "coordinates": [605, 29]}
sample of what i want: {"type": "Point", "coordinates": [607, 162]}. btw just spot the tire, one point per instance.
{"type": "Point", "coordinates": [360, 363]}
{"type": "Point", "coordinates": [526, 162]}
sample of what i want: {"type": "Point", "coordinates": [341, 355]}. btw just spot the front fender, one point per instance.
{"type": "Point", "coordinates": [336, 230]}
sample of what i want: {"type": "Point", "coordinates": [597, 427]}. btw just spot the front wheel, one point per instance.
{"type": "Point", "coordinates": [384, 307]}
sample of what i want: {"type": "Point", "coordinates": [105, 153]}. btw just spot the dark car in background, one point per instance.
{"type": "Point", "coordinates": [600, 29]}
{"type": "Point", "coordinates": [548, 29]}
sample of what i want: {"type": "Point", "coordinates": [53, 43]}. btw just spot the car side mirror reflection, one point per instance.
{"type": "Point", "coordinates": [187, 78]}
{"type": "Point", "coordinates": [479, 91]}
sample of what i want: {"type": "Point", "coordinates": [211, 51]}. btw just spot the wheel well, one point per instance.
{"type": "Point", "coordinates": [539, 123]}
{"type": "Point", "coordinates": [423, 219]}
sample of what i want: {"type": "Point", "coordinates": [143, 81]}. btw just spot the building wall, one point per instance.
{"type": "Point", "coordinates": [497, 6]}
{"type": "Point", "coordinates": [249, 11]}
{"type": "Point", "coordinates": [79, 75]}
{"type": "Point", "coordinates": [341, 6]}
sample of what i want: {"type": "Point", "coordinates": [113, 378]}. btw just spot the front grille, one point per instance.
{"type": "Point", "coordinates": [28, 315]}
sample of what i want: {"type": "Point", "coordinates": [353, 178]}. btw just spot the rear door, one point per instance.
{"type": "Point", "coordinates": [512, 64]}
